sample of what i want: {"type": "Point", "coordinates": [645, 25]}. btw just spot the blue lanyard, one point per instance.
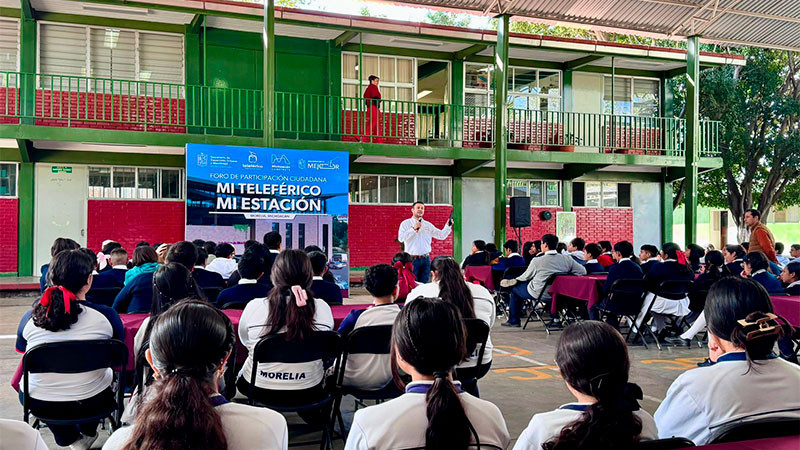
{"type": "Point", "coordinates": [424, 388]}
{"type": "Point", "coordinates": [575, 407]}
{"type": "Point", "coordinates": [740, 356]}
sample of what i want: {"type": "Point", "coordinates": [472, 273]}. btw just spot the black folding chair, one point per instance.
{"type": "Point", "coordinates": [625, 299]}
{"type": "Point", "coordinates": [319, 345]}
{"type": "Point", "coordinates": [76, 357]}
{"type": "Point", "coordinates": [671, 290]}
{"type": "Point", "coordinates": [538, 304]}
{"type": "Point", "coordinates": [502, 295]}
{"type": "Point", "coordinates": [234, 305]}
{"type": "Point", "coordinates": [697, 301]}
{"type": "Point", "coordinates": [663, 444]}
{"type": "Point", "coordinates": [103, 296]}
{"type": "Point", "coordinates": [770, 427]}
{"type": "Point", "coordinates": [477, 336]}
{"type": "Point", "coordinates": [211, 292]}
{"type": "Point", "coordinates": [373, 340]}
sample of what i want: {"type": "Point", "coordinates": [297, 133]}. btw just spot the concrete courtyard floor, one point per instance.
{"type": "Point", "coordinates": [523, 379]}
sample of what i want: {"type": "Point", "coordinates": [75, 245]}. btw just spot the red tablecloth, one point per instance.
{"type": "Point", "coordinates": [587, 287]}
{"type": "Point", "coordinates": [781, 443]}
{"type": "Point", "coordinates": [788, 307]}
{"type": "Point", "coordinates": [480, 273]}
{"type": "Point", "coordinates": [132, 323]}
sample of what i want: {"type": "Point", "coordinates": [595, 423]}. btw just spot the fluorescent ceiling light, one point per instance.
{"type": "Point", "coordinates": [415, 42]}
{"type": "Point", "coordinates": [117, 10]}
{"type": "Point", "coordinates": [423, 94]}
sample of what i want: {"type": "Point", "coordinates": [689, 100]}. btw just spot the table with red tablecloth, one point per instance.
{"type": "Point", "coordinates": [587, 287]}
{"type": "Point", "coordinates": [132, 323]}
{"type": "Point", "coordinates": [779, 443]}
{"type": "Point", "coordinates": [787, 306]}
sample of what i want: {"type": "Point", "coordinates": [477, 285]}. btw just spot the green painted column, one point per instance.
{"type": "Point", "coordinates": [269, 73]}
{"type": "Point", "coordinates": [500, 138]}
{"type": "Point", "coordinates": [27, 65]}
{"type": "Point", "coordinates": [193, 74]}
{"type": "Point", "coordinates": [692, 135]}
{"type": "Point", "coordinates": [458, 208]}
{"type": "Point", "coordinates": [666, 207]}
{"type": "Point", "coordinates": [566, 195]}
{"type": "Point", "coordinates": [456, 133]}
{"type": "Point", "coordinates": [334, 88]}
{"type": "Point", "coordinates": [25, 229]}
{"type": "Point", "coordinates": [568, 104]}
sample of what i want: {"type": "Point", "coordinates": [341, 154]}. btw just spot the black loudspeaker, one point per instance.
{"type": "Point", "coordinates": [520, 212]}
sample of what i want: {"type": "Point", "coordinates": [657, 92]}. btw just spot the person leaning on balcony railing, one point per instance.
{"type": "Point", "coordinates": [373, 99]}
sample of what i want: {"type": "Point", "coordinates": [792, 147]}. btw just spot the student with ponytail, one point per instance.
{"type": "Point", "coordinates": [472, 300]}
{"type": "Point", "coordinates": [746, 380]}
{"type": "Point", "coordinates": [428, 341]}
{"type": "Point", "coordinates": [292, 309]}
{"type": "Point", "coordinates": [592, 357]}
{"type": "Point", "coordinates": [189, 348]}
{"type": "Point", "coordinates": [62, 314]}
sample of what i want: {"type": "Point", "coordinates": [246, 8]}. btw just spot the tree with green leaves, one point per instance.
{"type": "Point", "coordinates": [445, 18]}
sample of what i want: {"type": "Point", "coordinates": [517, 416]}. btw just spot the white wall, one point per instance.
{"type": "Point", "coordinates": [646, 202]}
{"type": "Point", "coordinates": [477, 215]}
{"type": "Point", "coordinates": [587, 97]}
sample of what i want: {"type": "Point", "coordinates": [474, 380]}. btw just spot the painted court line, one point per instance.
{"type": "Point", "coordinates": [522, 358]}
{"type": "Point", "coordinates": [8, 336]}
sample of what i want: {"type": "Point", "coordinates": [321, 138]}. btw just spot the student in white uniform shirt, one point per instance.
{"type": "Point", "coordinates": [290, 308]}
{"type": "Point", "coordinates": [189, 348]}
{"type": "Point", "coordinates": [472, 300]}
{"type": "Point", "coordinates": [223, 264]}
{"type": "Point", "coordinates": [368, 371]}
{"type": "Point", "coordinates": [62, 314]}
{"type": "Point", "coordinates": [18, 435]}
{"type": "Point", "coordinates": [592, 357]}
{"type": "Point", "coordinates": [747, 381]}
{"type": "Point", "coordinates": [428, 341]}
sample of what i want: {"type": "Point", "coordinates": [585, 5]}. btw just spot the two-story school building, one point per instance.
{"type": "Point", "coordinates": [98, 100]}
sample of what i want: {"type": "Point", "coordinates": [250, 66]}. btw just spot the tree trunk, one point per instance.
{"type": "Point", "coordinates": [676, 201]}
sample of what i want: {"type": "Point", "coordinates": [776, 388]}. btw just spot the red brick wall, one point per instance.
{"type": "Point", "coordinates": [613, 224]}
{"type": "Point", "coordinates": [9, 217]}
{"type": "Point", "coordinates": [372, 232]}
{"type": "Point", "coordinates": [538, 226]}
{"type": "Point", "coordinates": [131, 221]}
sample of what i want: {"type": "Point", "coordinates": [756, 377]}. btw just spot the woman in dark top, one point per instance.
{"type": "Point", "coordinates": [694, 253]}
{"type": "Point", "coordinates": [756, 266]}
{"type": "Point", "coordinates": [479, 256]}
{"type": "Point", "coordinates": [527, 250]}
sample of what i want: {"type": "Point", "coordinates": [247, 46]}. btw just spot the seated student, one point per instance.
{"type": "Point", "coordinates": [734, 258]}
{"type": "Point", "coordinates": [184, 253]}
{"type": "Point", "coordinates": [494, 253]}
{"type": "Point", "coordinates": [273, 241]}
{"type": "Point", "coordinates": [205, 278]}
{"type": "Point", "coordinates": [145, 260]}
{"type": "Point", "coordinates": [590, 254]}
{"type": "Point", "coordinates": [210, 247]}
{"type": "Point", "coordinates": [365, 371]}
{"type": "Point", "coordinates": [189, 348]}
{"type": "Point", "coordinates": [250, 266]}
{"type": "Point", "coordinates": [478, 257]}
{"type": "Point", "coordinates": [575, 249]}
{"type": "Point", "coordinates": [402, 262]}
{"type": "Point", "coordinates": [428, 341]}
{"type": "Point", "coordinates": [674, 266]}
{"type": "Point", "coordinates": [292, 309]}
{"type": "Point", "coordinates": [223, 264]}
{"type": "Point", "coordinates": [528, 250]}
{"type": "Point", "coordinates": [62, 314]}
{"type": "Point", "coordinates": [715, 270]}
{"type": "Point", "coordinates": [791, 278]}
{"type": "Point", "coordinates": [261, 251]}
{"type": "Point", "coordinates": [648, 255]}
{"type": "Point", "coordinates": [531, 283]}
{"type": "Point", "coordinates": [606, 258]}
{"type": "Point", "coordinates": [755, 267]}
{"type": "Point", "coordinates": [746, 381]}
{"type": "Point", "coordinates": [115, 276]}
{"type": "Point", "coordinates": [472, 301]}
{"type": "Point", "coordinates": [623, 269]}
{"type": "Point", "coordinates": [694, 254]}
{"type": "Point", "coordinates": [58, 245]}
{"type": "Point", "coordinates": [510, 257]}
{"type": "Point", "coordinates": [18, 435]}
{"type": "Point", "coordinates": [794, 253]}
{"type": "Point", "coordinates": [327, 276]}
{"type": "Point", "coordinates": [783, 260]}
{"type": "Point", "coordinates": [104, 257]}
{"type": "Point", "coordinates": [137, 295]}
{"type": "Point", "coordinates": [325, 290]}
{"type": "Point", "coordinates": [592, 358]}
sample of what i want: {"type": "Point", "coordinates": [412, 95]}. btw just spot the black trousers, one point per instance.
{"type": "Point", "coordinates": [68, 434]}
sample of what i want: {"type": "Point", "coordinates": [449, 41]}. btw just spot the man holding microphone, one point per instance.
{"type": "Point", "coordinates": [416, 233]}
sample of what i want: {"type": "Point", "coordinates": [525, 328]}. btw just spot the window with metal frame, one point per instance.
{"type": "Point", "coordinates": [8, 179]}
{"type": "Point", "coordinates": [633, 96]}
{"type": "Point", "coordinates": [397, 77]}
{"type": "Point", "coordinates": [541, 192]}
{"type": "Point", "coordinates": [9, 52]}
{"type": "Point", "coordinates": [529, 88]}
{"type": "Point", "coordinates": [601, 194]}
{"type": "Point", "coordinates": [135, 183]}
{"type": "Point", "coordinates": [402, 190]}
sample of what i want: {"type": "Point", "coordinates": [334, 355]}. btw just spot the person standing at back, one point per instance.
{"type": "Point", "coordinates": [416, 234]}
{"type": "Point", "coordinates": [761, 239]}
{"type": "Point", "coordinates": [327, 291]}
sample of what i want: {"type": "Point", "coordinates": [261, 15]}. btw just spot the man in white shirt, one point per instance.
{"type": "Point", "coordinates": [415, 234]}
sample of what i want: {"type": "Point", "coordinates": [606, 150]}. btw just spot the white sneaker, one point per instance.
{"type": "Point", "coordinates": [508, 283]}
{"type": "Point", "coordinates": [84, 443]}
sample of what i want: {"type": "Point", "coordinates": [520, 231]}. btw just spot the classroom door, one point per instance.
{"type": "Point", "coordinates": [61, 191]}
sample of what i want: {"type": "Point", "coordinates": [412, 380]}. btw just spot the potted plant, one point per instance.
{"type": "Point", "coordinates": [567, 144]}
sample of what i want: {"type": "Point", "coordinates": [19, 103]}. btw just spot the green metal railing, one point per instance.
{"type": "Point", "coordinates": [93, 102]}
